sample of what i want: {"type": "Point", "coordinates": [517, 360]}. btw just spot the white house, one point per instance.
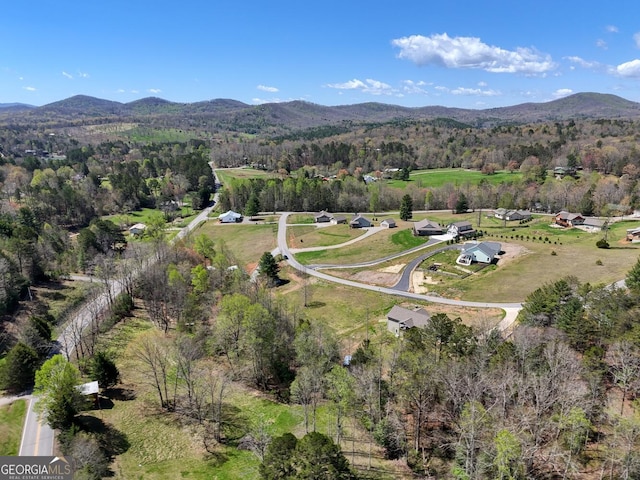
{"type": "Point", "coordinates": [137, 229]}
{"type": "Point", "coordinates": [230, 217]}
{"type": "Point", "coordinates": [388, 223]}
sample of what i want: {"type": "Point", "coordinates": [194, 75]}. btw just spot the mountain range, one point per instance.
{"type": "Point", "coordinates": [276, 118]}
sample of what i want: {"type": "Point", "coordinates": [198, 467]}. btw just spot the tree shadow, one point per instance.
{"type": "Point", "coordinates": [315, 304]}
{"type": "Point", "coordinates": [121, 394]}
{"type": "Point", "coordinates": [111, 440]}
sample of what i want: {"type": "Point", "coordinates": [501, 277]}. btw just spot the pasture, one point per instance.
{"type": "Point", "coordinates": [456, 176]}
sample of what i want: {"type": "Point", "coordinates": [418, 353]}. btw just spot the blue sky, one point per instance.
{"type": "Point", "coordinates": [463, 53]}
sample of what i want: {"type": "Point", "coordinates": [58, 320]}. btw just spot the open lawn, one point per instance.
{"type": "Point", "coordinates": [225, 175]}
{"type": "Point", "coordinates": [295, 218]}
{"type": "Point", "coordinates": [334, 304]}
{"type": "Point", "coordinates": [11, 423]}
{"type": "Point", "coordinates": [247, 242]}
{"type": "Point", "coordinates": [125, 220]}
{"type": "Point", "coordinates": [455, 176]}
{"type": "Point", "coordinates": [540, 254]}
{"type": "Point", "coordinates": [312, 236]}
{"type": "Point", "coordinates": [382, 244]}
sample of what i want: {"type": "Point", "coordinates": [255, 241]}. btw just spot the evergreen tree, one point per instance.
{"type": "Point", "coordinates": [252, 207]}
{"type": "Point", "coordinates": [406, 208]}
{"type": "Point", "coordinates": [269, 267]}
{"type": "Point", "coordinates": [104, 370]}
{"type": "Point", "coordinates": [633, 278]}
{"type": "Point", "coordinates": [462, 205]}
{"type": "Point", "coordinates": [277, 462]}
{"type": "Point", "coordinates": [19, 367]}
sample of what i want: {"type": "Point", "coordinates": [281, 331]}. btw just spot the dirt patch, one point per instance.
{"type": "Point", "coordinates": [510, 252]}
{"type": "Point", "coordinates": [393, 268]}
{"type": "Point", "coordinates": [380, 278]}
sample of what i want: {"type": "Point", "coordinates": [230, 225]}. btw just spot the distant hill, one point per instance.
{"type": "Point", "coordinates": [15, 107]}
{"type": "Point", "coordinates": [278, 118]}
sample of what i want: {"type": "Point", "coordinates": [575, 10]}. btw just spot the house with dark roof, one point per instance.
{"type": "Point", "coordinates": [322, 217]}
{"type": "Point", "coordinates": [462, 229]}
{"type": "Point", "coordinates": [427, 227]}
{"type": "Point", "coordinates": [399, 319]}
{"type": "Point", "coordinates": [388, 223]}
{"type": "Point", "coordinates": [568, 219]}
{"type": "Point", "coordinates": [360, 222]}
{"type": "Point", "coordinates": [479, 252]}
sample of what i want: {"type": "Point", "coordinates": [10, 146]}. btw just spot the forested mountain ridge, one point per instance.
{"type": "Point", "coordinates": [232, 115]}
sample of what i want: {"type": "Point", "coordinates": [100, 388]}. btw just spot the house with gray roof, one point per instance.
{"type": "Point", "coordinates": [479, 252]}
{"type": "Point", "coordinates": [400, 319]}
{"type": "Point", "coordinates": [461, 229]}
{"type": "Point", "coordinates": [360, 222]}
{"type": "Point", "coordinates": [427, 227]}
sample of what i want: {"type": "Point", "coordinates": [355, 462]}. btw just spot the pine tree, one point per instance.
{"type": "Point", "coordinates": [406, 208]}
{"type": "Point", "coordinates": [269, 267]}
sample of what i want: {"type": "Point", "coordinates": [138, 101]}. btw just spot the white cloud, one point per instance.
{"type": "Point", "coordinates": [611, 29]}
{"type": "Point", "coordinates": [120, 90]}
{"type": "Point", "coordinates": [629, 69]}
{"type": "Point", "coordinates": [411, 87]}
{"type": "Point", "coordinates": [562, 92]}
{"type": "Point", "coordinates": [373, 87]}
{"type": "Point", "coordinates": [636, 38]}
{"type": "Point", "coordinates": [83, 75]}
{"type": "Point", "coordinates": [482, 84]}
{"type": "Point", "coordinates": [475, 92]}
{"type": "Point", "coordinates": [30, 89]}
{"type": "Point", "coordinates": [470, 52]}
{"type": "Point", "coordinates": [601, 44]}
{"type": "Point", "coordinates": [260, 101]}
{"type": "Point", "coordinates": [68, 75]}
{"type": "Point", "coordinates": [585, 63]}
{"type": "Point", "coordinates": [155, 90]}
{"type": "Point", "coordinates": [265, 88]}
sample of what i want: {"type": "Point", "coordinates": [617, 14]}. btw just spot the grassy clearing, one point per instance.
{"type": "Point", "coordinates": [247, 242]}
{"type": "Point", "coordinates": [311, 236]}
{"type": "Point", "coordinates": [543, 254]}
{"type": "Point", "coordinates": [300, 218]}
{"type": "Point", "coordinates": [11, 422]}
{"type": "Point", "coordinates": [225, 175]}
{"type": "Point", "coordinates": [334, 304]}
{"type": "Point", "coordinates": [145, 134]}
{"type": "Point", "coordinates": [455, 176]}
{"type": "Point", "coordinates": [376, 246]}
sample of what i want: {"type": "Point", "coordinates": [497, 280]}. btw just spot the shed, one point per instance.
{"type": "Point", "coordinates": [137, 229]}
{"type": "Point", "coordinates": [388, 223]}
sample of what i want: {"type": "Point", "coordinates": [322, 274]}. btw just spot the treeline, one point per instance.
{"type": "Point", "coordinates": [589, 194]}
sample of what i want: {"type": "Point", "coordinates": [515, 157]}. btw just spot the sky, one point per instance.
{"type": "Point", "coordinates": [414, 53]}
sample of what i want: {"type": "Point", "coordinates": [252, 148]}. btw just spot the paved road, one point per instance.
{"type": "Point", "coordinates": [37, 436]}
{"type": "Point", "coordinates": [284, 250]}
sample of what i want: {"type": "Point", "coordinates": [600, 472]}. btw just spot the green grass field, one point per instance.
{"type": "Point", "coordinates": [225, 175]}
{"type": "Point", "coordinates": [11, 421]}
{"type": "Point", "coordinates": [323, 236]}
{"type": "Point", "coordinates": [247, 242]}
{"type": "Point", "coordinates": [455, 176]}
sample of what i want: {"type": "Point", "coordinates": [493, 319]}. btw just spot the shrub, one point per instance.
{"type": "Point", "coordinates": [598, 262]}
{"type": "Point", "coordinates": [602, 243]}
{"type": "Point", "coordinates": [553, 252]}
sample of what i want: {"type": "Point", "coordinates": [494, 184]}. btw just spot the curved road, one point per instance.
{"type": "Point", "coordinates": [511, 309]}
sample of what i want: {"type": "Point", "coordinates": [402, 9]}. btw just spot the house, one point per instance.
{"type": "Point", "coordinates": [461, 229]}
{"type": "Point", "coordinates": [479, 252]}
{"type": "Point", "coordinates": [593, 224]}
{"type": "Point", "coordinates": [510, 215]}
{"type": "Point", "coordinates": [90, 389]}
{"type": "Point", "coordinates": [137, 229]}
{"type": "Point", "coordinates": [561, 172]}
{"type": "Point", "coordinates": [360, 222]}
{"type": "Point", "coordinates": [427, 227]}
{"type": "Point", "coordinates": [388, 223]}
{"type": "Point", "coordinates": [633, 235]}
{"type": "Point", "coordinates": [567, 219]}
{"type": "Point", "coordinates": [399, 319]}
{"type": "Point", "coordinates": [230, 217]}
{"type": "Point", "coordinates": [338, 219]}
{"type": "Point", "coordinates": [322, 217]}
